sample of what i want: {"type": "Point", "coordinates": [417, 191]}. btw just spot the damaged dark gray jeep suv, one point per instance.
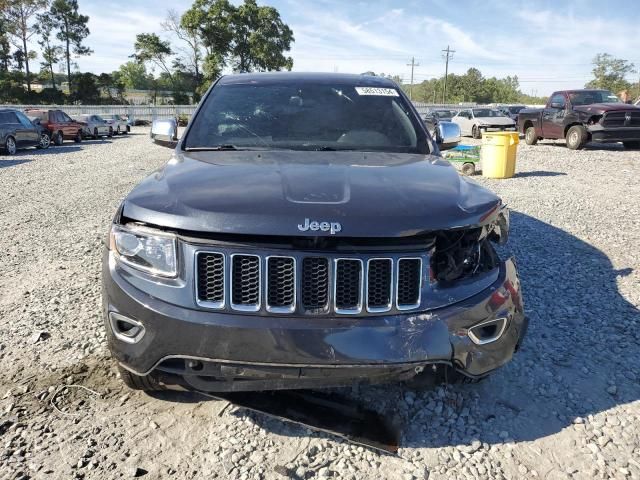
{"type": "Point", "coordinates": [307, 233]}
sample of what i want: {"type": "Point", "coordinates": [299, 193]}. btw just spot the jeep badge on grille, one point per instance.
{"type": "Point", "coordinates": [331, 227]}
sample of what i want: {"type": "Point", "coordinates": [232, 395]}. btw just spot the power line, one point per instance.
{"type": "Point", "coordinates": [449, 54]}
{"type": "Point", "coordinates": [413, 64]}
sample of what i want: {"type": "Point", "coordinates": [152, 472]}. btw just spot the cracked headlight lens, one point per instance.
{"type": "Point", "coordinates": [148, 250]}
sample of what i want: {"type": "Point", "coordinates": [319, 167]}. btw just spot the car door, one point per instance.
{"type": "Point", "coordinates": [58, 120]}
{"type": "Point", "coordinates": [19, 131]}
{"type": "Point", "coordinates": [466, 121]}
{"type": "Point", "coordinates": [459, 120]}
{"type": "Point", "coordinates": [32, 133]}
{"type": "Point", "coordinates": [553, 116]}
{"type": "Point", "coordinates": [68, 125]}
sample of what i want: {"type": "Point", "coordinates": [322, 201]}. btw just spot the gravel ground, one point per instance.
{"type": "Point", "coordinates": [566, 407]}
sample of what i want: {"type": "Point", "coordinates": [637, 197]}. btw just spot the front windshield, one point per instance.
{"type": "Point", "coordinates": [593, 96]}
{"type": "Point", "coordinates": [486, 112]}
{"type": "Point", "coordinates": [306, 116]}
{"type": "Point", "coordinates": [442, 114]}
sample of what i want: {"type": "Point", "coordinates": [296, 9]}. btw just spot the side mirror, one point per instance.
{"type": "Point", "coordinates": [165, 132]}
{"type": "Point", "coordinates": [557, 105]}
{"type": "Point", "coordinates": [448, 135]}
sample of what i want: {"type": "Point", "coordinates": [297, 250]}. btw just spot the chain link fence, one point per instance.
{"type": "Point", "coordinates": [151, 112]}
{"type": "Point", "coordinates": [135, 112]}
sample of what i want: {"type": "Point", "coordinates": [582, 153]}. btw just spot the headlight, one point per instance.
{"type": "Point", "coordinates": [145, 249]}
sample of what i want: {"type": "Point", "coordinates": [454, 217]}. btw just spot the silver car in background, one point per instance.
{"type": "Point", "coordinates": [119, 123]}
{"type": "Point", "coordinates": [94, 126]}
{"type": "Point", "coordinates": [474, 121]}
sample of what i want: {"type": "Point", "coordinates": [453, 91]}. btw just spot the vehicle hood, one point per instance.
{"type": "Point", "coordinates": [495, 120]}
{"type": "Point", "coordinates": [600, 108]}
{"type": "Point", "coordinates": [271, 193]}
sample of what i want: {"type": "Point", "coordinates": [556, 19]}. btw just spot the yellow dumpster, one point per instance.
{"type": "Point", "coordinates": [498, 154]}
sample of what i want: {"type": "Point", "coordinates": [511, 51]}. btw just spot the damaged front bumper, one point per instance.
{"type": "Point", "coordinates": [600, 134]}
{"type": "Point", "coordinates": [233, 352]}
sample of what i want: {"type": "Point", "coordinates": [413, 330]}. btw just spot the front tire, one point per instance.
{"type": "Point", "coordinates": [45, 141]}
{"type": "Point", "coordinates": [631, 145]}
{"type": "Point", "coordinates": [476, 132]}
{"type": "Point", "coordinates": [136, 382]}
{"type": "Point", "coordinates": [58, 139]}
{"type": "Point", "coordinates": [10, 146]}
{"type": "Point", "coordinates": [530, 136]}
{"type": "Point", "coordinates": [577, 137]}
{"type": "Point", "coordinates": [468, 168]}
{"type": "Point", "coordinates": [110, 132]}
{"type": "Point", "coordinates": [78, 137]}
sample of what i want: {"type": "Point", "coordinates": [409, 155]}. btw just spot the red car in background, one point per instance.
{"type": "Point", "coordinates": [59, 125]}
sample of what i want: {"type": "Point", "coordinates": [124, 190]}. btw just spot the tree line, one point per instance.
{"type": "Point", "coordinates": [60, 30]}
{"type": "Point", "coordinates": [471, 87]}
{"type": "Point", "coordinates": [187, 54]}
{"type": "Point", "coordinates": [608, 73]}
{"type": "Point", "coordinates": [190, 50]}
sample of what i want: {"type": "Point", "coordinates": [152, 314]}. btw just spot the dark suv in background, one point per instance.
{"type": "Point", "coordinates": [306, 233]}
{"type": "Point", "coordinates": [59, 125]}
{"type": "Point", "coordinates": [17, 131]}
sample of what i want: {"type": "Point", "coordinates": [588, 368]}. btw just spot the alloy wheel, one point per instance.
{"type": "Point", "coordinates": [45, 141]}
{"type": "Point", "coordinates": [10, 146]}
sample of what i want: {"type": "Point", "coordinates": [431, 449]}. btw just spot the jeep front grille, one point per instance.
{"type": "Point", "coordinates": [308, 284]}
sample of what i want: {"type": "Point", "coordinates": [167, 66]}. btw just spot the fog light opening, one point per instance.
{"type": "Point", "coordinates": [195, 365]}
{"type": "Point", "coordinates": [126, 329]}
{"type": "Point", "coordinates": [488, 331]}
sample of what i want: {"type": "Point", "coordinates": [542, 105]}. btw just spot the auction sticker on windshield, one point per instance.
{"type": "Point", "coordinates": [383, 92]}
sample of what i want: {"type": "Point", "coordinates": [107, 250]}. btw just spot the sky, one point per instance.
{"type": "Point", "coordinates": [548, 44]}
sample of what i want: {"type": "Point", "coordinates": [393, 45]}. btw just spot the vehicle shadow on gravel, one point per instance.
{"type": "Point", "coordinates": [11, 163]}
{"type": "Point", "coordinates": [575, 360]}
{"type": "Point", "coordinates": [538, 173]}
{"type": "Point", "coordinates": [616, 147]}
{"type": "Point", "coordinates": [55, 150]}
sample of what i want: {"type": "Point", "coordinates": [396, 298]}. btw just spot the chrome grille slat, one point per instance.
{"type": "Point", "coordinates": [315, 284]}
{"type": "Point", "coordinates": [281, 284]}
{"type": "Point", "coordinates": [348, 285]}
{"type": "Point", "coordinates": [245, 292]}
{"type": "Point", "coordinates": [306, 283]}
{"type": "Point", "coordinates": [379, 284]}
{"type": "Point", "coordinates": [409, 283]}
{"type": "Point", "coordinates": [210, 279]}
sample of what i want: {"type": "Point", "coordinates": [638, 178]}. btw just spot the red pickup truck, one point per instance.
{"type": "Point", "coordinates": [582, 116]}
{"type": "Point", "coordinates": [59, 125]}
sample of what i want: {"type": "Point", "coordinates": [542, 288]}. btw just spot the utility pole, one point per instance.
{"type": "Point", "coordinates": [412, 64]}
{"type": "Point", "coordinates": [446, 54]}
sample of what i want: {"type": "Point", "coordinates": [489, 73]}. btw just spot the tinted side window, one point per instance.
{"type": "Point", "coordinates": [559, 98]}
{"type": "Point", "coordinates": [5, 117]}
{"type": "Point", "coordinates": [24, 120]}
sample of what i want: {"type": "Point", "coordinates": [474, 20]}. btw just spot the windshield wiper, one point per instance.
{"type": "Point", "coordinates": [325, 148]}
{"type": "Point", "coordinates": [215, 148]}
